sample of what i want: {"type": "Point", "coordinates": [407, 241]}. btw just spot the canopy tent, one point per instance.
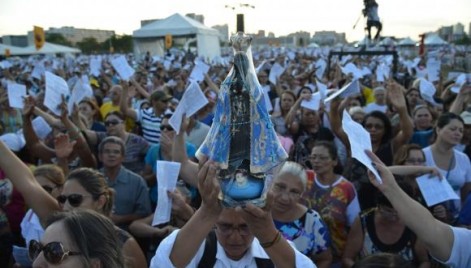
{"type": "Point", "coordinates": [151, 37]}
{"type": "Point", "coordinates": [388, 41]}
{"type": "Point", "coordinates": [14, 51]}
{"type": "Point", "coordinates": [50, 48]}
{"type": "Point", "coordinates": [434, 40]}
{"type": "Point", "coordinates": [406, 42]}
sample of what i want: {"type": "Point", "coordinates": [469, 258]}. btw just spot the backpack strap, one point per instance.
{"type": "Point", "coordinates": [264, 263]}
{"type": "Point", "coordinates": [209, 254]}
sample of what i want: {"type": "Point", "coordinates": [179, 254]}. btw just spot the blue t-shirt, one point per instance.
{"type": "Point", "coordinates": [154, 154]}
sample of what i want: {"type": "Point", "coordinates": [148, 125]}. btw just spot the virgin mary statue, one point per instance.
{"type": "Point", "coordinates": [242, 139]}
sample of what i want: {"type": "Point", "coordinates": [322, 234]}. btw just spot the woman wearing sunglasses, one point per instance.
{"type": "Point", "coordinates": [81, 238]}
{"type": "Point", "coordinates": [84, 188]}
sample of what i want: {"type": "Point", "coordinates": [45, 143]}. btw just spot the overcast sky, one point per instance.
{"type": "Point", "coordinates": [400, 18]}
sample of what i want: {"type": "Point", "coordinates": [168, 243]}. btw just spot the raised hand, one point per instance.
{"type": "Point", "coordinates": [63, 146]}
{"type": "Point", "coordinates": [259, 219]}
{"type": "Point", "coordinates": [396, 94]}
{"type": "Point", "coordinates": [208, 187]}
{"type": "Point", "coordinates": [28, 108]}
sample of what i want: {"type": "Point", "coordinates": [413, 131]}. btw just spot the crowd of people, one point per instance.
{"type": "Point", "coordinates": [83, 193]}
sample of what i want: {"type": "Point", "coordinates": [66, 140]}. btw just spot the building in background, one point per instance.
{"type": "Point", "coordinates": [75, 35]}
{"type": "Point", "coordinates": [196, 17]}
{"type": "Point", "coordinates": [329, 38]}
{"type": "Point", "coordinates": [223, 31]}
{"type": "Point", "coordinates": [15, 40]}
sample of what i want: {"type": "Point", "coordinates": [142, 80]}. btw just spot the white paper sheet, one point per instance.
{"type": "Point", "coordinates": [56, 87]}
{"type": "Point", "coordinates": [459, 82]}
{"type": "Point", "coordinates": [350, 89]}
{"type": "Point", "coordinates": [321, 65]}
{"type": "Point", "coordinates": [275, 72]}
{"type": "Point", "coordinates": [41, 127]}
{"type": "Point", "coordinates": [167, 176]}
{"type": "Point", "coordinates": [360, 141]}
{"type": "Point", "coordinates": [16, 93]}
{"type": "Point", "coordinates": [427, 91]}
{"type": "Point", "coordinates": [79, 92]}
{"type": "Point", "coordinates": [435, 190]}
{"type": "Point", "coordinates": [120, 64]}
{"type": "Point", "coordinates": [192, 100]}
{"type": "Point", "coordinates": [433, 69]}
{"type": "Point", "coordinates": [21, 256]}
{"type": "Point", "coordinates": [314, 103]}
{"type": "Point", "coordinates": [95, 66]}
{"type": "Point", "coordinates": [198, 72]}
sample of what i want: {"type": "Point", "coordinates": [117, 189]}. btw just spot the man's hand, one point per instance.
{"type": "Point", "coordinates": [208, 187]}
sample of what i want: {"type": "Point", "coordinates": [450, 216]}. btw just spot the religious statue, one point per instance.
{"type": "Point", "coordinates": [242, 139]}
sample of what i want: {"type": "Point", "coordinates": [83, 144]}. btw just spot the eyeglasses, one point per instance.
{"type": "Point", "coordinates": [48, 188]}
{"type": "Point", "coordinates": [228, 229]}
{"type": "Point", "coordinates": [281, 189]}
{"type": "Point", "coordinates": [112, 123]}
{"type": "Point", "coordinates": [166, 127]}
{"type": "Point", "coordinates": [74, 199]}
{"type": "Point", "coordinates": [54, 252]}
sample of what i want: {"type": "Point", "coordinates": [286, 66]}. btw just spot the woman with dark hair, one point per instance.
{"type": "Point", "coordinates": [330, 194]}
{"type": "Point", "coordinates": [286, 100]}
{"type": "Point", "coordinates": [77, 239]}
{"type": "Point", "coordinates": [84, 188]}
{"type": "Point", "coordinates": [383, 142]}
{"type": "Point", "coordinates": [90, 111]}
{"type": "Point", "coordinates": [453, 165]}
{"type": "Point", "coordinates": [381, 230]}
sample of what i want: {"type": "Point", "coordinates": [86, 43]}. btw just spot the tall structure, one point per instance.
{"type": "Point", "coordinates": [300, 39]}
{"type": "Point", "coordinates": [197, 17]}
{"type": "Point", "coordinates": [329, 38]}
{"type": "Point", "coordinates": [75, 35]}
{"type": "Point", "coordinates": [223, 31]}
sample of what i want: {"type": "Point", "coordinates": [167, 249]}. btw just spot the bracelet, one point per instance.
{"type": "Point", "coordinates": [273, 242]}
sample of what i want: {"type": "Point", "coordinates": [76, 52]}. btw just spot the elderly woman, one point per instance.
{"type": "Point", "coordinates": [295, 221]}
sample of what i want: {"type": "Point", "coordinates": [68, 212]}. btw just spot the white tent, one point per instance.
{"type": "Point", "coordinates": [434, 40]}
{"type": "Point", "coordinates": [387, 42]}
{"type": "Point", "coordinates": [14, 51]}
{"type": "Point", "coordinates": [406, 42]}
{"type": "Point", "coordinates": [151, 37]}
{"type": "Point", "coordinates": [50, 48]}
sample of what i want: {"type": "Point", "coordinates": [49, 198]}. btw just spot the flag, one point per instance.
{"type": "Point", "coordinates": [39, 37]}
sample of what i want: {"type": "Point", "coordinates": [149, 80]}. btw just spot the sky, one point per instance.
{"type": "Point", "coordinates": [400, 18]}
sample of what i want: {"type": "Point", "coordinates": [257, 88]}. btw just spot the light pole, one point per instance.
{"type": "Point", "coordinates": [240, 17]}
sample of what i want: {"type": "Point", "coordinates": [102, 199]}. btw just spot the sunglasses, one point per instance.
{"type": "Point", "coordinates": [112, 123]}
{"type": "Point", "coordinates": [166, 127]}
{"type": "Point", "coordinates": [74, 199]}
{"type": "Point", "coordinates": [54, 252]}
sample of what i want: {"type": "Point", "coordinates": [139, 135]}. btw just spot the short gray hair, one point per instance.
{"type": "Point", "coordinates": [294, 169]}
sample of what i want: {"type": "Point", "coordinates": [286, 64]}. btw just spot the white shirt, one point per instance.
{"type": "Point", "coordinates": [375, 107]}
{"type": "Point", "coordinates": [161, 258]}
{"type": "Point", "coordinates": [460, 253]}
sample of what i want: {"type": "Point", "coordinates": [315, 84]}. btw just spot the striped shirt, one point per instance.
{"type": "Point", "coordinates": [150, 124]}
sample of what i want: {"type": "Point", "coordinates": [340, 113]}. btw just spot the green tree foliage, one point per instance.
{"type": "Point", "coordinates": [89, 45]}
{"type": "Point", "coordinates": [463, 41]}
{"type": "Point", "coordinates": [120, 44]}
{"type": "Point", "coordinates": [57, 38]}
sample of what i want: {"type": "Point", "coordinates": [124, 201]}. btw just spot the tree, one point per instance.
{"type": "Point", "coordinates": [89, 45]}
{"type": "Point", "coordinates": [463, 41]}
{"type": "Point", "coordinates": [120, 44]}
{"type": "Point", "coordinates": [57, 38]}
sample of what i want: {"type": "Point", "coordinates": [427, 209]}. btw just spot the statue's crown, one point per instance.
{"type": "Point", "coordinates": [241, 42]}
